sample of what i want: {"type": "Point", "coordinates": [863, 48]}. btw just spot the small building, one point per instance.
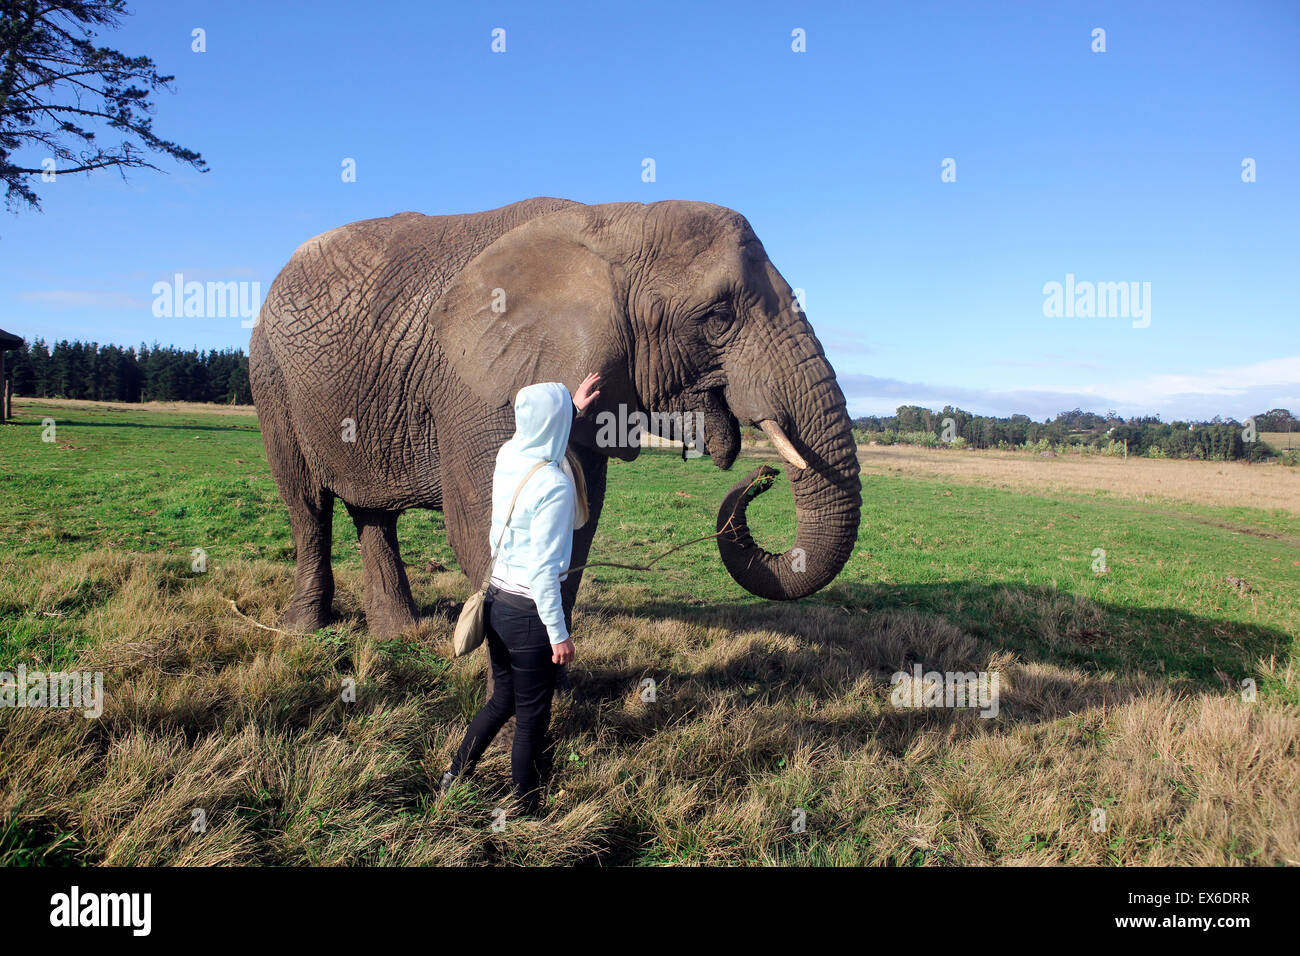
{"type": "Point", "coordinates": [7, 341]}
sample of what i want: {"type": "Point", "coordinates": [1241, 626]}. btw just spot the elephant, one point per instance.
{"type": "Point", "coordinates": [387, 353]}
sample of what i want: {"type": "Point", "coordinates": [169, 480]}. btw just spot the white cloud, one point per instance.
{"type": "Point", "coordinates": [1235, 391]}
{"type": "Point", "coordinates": [1221, 382]}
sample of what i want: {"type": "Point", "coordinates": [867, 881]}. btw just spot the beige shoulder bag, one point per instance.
{"type": "Point", "coordinates": [471, 624]}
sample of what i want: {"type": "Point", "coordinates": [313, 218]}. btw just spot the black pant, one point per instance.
{"type": "Point", "coordinates": [523, 676]}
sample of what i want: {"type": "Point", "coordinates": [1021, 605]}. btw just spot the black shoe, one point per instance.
{"type": "Point", "coordinates": [529, 806]}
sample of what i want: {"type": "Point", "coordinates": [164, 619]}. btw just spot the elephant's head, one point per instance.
{"type": "Point", "coordinates": [679, 309]}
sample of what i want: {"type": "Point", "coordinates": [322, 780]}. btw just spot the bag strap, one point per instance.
{"type": "Point", "coordinates": [510, 511]}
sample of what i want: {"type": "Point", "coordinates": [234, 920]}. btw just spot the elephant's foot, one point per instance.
{"type": "Point", "coordinates": [390, 618]}
{"type": "Point", "coordinates": [307, 616]}
{"type": "Point", "coordinates": [390, 609]}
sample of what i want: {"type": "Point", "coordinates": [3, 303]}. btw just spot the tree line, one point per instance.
{"type": "Point", "coordinates": [110, 373]}
{"type": "Point", "coordinates": [1077, 430]}
{"type": "Point", "coordinates": [87, 370]}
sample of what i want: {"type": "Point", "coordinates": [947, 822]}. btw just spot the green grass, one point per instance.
{"type": "Point", "coordinates": [1009, 571]}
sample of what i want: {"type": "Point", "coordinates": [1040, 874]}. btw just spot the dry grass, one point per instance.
{"type": "Point", "coordinates": [34, 405]}
{"type": "Point", "coordinates": [1281, 441]}
{"type": "Point", "coordinates": [1231, 484]}
{"type": "Point", "coordinates": [760, 710]}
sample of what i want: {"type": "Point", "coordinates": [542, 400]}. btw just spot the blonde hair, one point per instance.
{"type": "Point", "coordinates": [581, 509]}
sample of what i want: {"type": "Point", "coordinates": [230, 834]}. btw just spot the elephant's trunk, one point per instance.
{"type": "Point", "coordinates": [827, 500]}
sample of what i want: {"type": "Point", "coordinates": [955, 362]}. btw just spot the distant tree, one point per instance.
{"type": "Point", "coordinates": [59, 92]}
{"type": "Point", "coordinates": [914, 418]}
{"type": "Point", "coordinates": [238, 390]}
{"type": "Point", "coordinates": [1276, 420]}
{"type": "Point", "coordinates": [87, 370]}
{"type": "Point", "coordinates": [39, 356]}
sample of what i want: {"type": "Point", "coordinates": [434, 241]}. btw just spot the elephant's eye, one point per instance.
{"type": "Point", "coordinates": [719, 321]}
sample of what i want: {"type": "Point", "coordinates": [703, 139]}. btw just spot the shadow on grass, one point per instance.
{"type": "Point", "coordinates": [1036, 623]}
{"type": "Point", "coordinates": [1084, 654]}
{"type": "Point", "coordinates": [1074, 654]}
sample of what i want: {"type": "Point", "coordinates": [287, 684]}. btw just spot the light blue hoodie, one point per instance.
{"type": "Point", "coordinates": [539, 542]}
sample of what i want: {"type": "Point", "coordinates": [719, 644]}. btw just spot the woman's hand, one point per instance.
{"type": "Point", "coordinates": [584, 396]}
{"type": "Point", "coordinates": [562, 653]}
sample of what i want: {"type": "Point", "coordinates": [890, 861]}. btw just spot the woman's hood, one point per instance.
{"type": "Point", "coordinates": [543, 417]}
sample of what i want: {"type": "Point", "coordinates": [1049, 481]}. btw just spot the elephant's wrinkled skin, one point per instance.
{"type": "Point", "coordinates": [384, 371]}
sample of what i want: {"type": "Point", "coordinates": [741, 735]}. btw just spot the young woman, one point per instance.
{"type": "Point", "coordinates": [527, 637]}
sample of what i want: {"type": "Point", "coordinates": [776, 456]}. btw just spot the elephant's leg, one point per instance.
{"type": "Point", "coordinates": [594, 468]}
{"type": "Point", "coordinates": [468, 449]}
{"type": "Point", "coordinates": [389, 606]}
{"type": "Point", "coordinates": [311, 518]}
{"type": "Point", "coordinates": [468, 459]}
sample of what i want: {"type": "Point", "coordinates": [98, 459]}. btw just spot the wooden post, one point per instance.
{"type": "Point", "coordinates": [4, 390]}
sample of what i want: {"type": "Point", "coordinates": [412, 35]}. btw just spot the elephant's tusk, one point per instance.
{"type": "Point", "coordinates": [781, 443]}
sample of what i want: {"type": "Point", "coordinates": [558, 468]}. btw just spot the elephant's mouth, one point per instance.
{"type": "Point", "coordinates": [721, 428]}
{"type": "Point", "coordinates": [722, 433]}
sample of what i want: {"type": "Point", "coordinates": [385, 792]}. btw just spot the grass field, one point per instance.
{"type": "Point", "coordinates": [1123, 736]}
{"type": "Point", "coordinates": [1282, 441]}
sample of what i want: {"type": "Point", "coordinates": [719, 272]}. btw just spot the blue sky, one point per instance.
{"type": "Point", "coordinates": [1122, 166]}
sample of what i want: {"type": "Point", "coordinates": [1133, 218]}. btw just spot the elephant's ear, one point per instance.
{"type": "Point", "coordinates": [537, 305]}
